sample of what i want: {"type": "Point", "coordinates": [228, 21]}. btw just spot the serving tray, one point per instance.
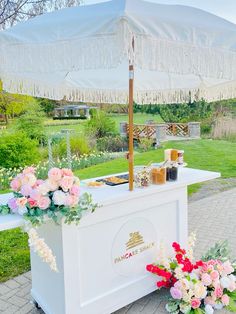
{"type": "Point", "coordinates": [123, 176]}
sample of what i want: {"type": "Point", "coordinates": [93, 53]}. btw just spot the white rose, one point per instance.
{"type": "Point", "coordinates": [200, 291]}
{"type": "Point", "coordinates": [184, 308]}
{"type": "Point", "coordinates": [179, 273]}
{"type": "Point", "coordinates": [52, 185]}
{"type": "Point", "coordinates": [194, 276]}
{"type": "Point", "coordinates": [186, 297]}
{"type": "Point", "coordinates": [22, 210]}
{"type": "Point", "coordinates": [218, 306]}
{"type": "Point", "coordinates": [43, 189]}
{"type": "Point", "coordinates": [32, 179]}
{"type": "Point", "coordinates": [225, 282]}
{"type": "Point", "coordinates": [209, 309]}
{"type": "Point", "coordinates": [59, 198]}
{"type": "Point", "coordinates": [232, 277]}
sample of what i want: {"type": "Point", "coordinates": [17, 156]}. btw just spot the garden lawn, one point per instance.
{"type": "Point", "coordinates": [55, 126]}
{"type": "Point", "coordinates": [139, 118]}
{"type": "Point", "coordinates": [14, 254]}
{"type": "Point", "coordinates": [202, 154]}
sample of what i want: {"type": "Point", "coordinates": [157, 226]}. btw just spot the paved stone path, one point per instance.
{"type": "Point", "coordinates": [212, 187]}
{"type": "Point", "coordinates": [213, 218]}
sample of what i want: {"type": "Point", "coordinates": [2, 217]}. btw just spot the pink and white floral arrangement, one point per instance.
{"type": "Point", "coordinates": [199, 287]}
{"type": "Point", "coordinates": [58, 197]}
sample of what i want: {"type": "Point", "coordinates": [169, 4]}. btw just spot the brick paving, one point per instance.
{"type": "Point", "coordinates": [213, 218]}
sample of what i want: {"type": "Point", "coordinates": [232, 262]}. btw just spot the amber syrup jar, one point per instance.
{"type": "Point", "coordinates": [174, 155]}
{"type": "Point", "coordinates": [158, 175]}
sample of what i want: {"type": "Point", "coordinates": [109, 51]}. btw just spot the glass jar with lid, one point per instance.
{"type": "Point", "coordinates": [142, 176]}
{"type": "Point", "coordinates": [158, 174]}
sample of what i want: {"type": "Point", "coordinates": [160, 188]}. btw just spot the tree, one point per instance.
{"type": "Point", "coordinates": [47, 105]}
{"type": "Point", "coordinates": [32, 123]}
{"type": "Point", "coordinates": [13, 104]}
{"type": "Point", "coordinates": [14, 11]}
{"type": "Point", "coordinates": [195, 111]}
{"type": "Point", "coordinates": [100, 124]}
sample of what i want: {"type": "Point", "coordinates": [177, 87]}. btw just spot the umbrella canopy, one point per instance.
{"type": "Point", "coordinates": [83, 54]}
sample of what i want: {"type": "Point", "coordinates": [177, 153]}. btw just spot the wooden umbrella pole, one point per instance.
{"type": "Point", "coordinates": [131, 128]}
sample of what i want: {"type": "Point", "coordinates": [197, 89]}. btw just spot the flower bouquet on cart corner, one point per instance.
{"type": "Point", "coordinates": [199, 287]}
{"type": "Point", "coordinates": [57, 198]}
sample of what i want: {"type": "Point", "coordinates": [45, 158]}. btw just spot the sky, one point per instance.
{"type": "Point", "coordinates": [223, 8]}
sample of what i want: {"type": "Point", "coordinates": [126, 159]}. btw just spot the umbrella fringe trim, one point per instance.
{"type": "Point", "coordinates": [40, 89]}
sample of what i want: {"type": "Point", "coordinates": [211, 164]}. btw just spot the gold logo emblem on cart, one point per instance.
{"type": "Point", "coordinates": [135, 239]}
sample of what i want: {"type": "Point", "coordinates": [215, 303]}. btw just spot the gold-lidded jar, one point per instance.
{"type": "Point", "coordinates": [158, 174]}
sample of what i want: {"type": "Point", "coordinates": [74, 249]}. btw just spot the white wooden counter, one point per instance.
{"type": "Point", "coordinates": [102, 261]}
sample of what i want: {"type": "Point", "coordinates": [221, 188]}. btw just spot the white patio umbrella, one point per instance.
{"type": "Point", "coordinates": [85, 53]}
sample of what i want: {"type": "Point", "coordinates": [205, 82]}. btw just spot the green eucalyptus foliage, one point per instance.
{"type": "Point", "coordinates": [220, 251]}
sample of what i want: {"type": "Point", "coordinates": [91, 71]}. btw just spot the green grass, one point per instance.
{"type": "Point", "coordinates": [78, 125]}
{"type": "Point", "coordinates": [202, 154]}
{"type": "Point", "coordinates": [14, 254]}
{"type": "Point", "coordinates": [139, 118]}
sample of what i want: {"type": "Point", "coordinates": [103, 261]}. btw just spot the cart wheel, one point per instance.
{"type": "Point", "coordinates": [36, 305]}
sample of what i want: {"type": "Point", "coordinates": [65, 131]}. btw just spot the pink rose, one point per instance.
{"type": "Point", "coordinates": [38, 182]}
{"type": "Point", "coordinates": [66, 183]}
{"type": "Point", "coordinates": [43, 202]}
{"type": "Point", "coordinates": [28, 179]}
{"type": "Point", "coordinates": [55, 174]}
{"type": "Point", "coordinates": [212, 262]}
{"type": "Point", "coordinates": [227, 268]}
{"type": "Point", "coordinates": [25, 190]}
{"type": "Point", "coordinates": [67, 172]}
{"type": "Point", "coordinates": [218, 292]}
{"type": "Point", "coordinates": [195, 303]}
{"type": "Point", "coordinates": [15, 184]}
{"type": "Point", "coordinates": [210, 301]}
{"type": "Point", "coordinates": [32, 202]}
{"type": "Point", "coordinates": [204, 267]}
{"type": "Point", "coordinates": [206, 279]}
{"type": "Point", "coordinates": [176, 293]}
{"type": "Point", "coordinates": [178, 285]}
{"type": "Point", "coordinates": [21, 202]}
{"type": "Point", "coordinates": [225, 299]}
{"type": "Point", "coordinates": [75, 190]}
{"type": "Point", "coordinates": [210, 268]}
{"type": "Point", "coordinates": [71, 200]}
{"type": "Point", "coordinates": [215, 275]}
{"type": "Point", "coordinates": [35, 195]}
